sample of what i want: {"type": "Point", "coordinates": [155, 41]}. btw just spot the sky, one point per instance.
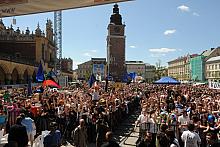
{"type": "Point", "coordinates": [156, 30]}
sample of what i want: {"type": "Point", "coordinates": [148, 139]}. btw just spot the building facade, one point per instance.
{"type": "Point", "coordinates": [21, 52]}
{"type": "Point", "coordinates": [136, 66]}
{"type": "Point", "coordinates": [212, 66]}
{"type": "Point", "coordinates": [179, 68]}
{"type": "Point", "coordinates": [197, 64]}
{"type": "Point", "coordinates": [97, 66]}
{"type": "Point", "coordinates": [150, 71]}
{"type": "Point", "coordinates": [116, 46]}
{"type": "Point", "coordinates": [197, 68]}
{"type": "Point", "coordinates": [66, 65]}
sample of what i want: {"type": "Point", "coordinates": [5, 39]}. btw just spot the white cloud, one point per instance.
{"type": "Point", "coordinates": [87, 54]}
{"type": "Point", "coordinates": [93, 51]}
{"type": "Point", "coordinates": [157, 55]}
{"type": "Point", "coordinates": [162, 50]}
{"type": "Point", "coordinates": [183, 8]}
{"type": "Point", "coordinates": [195, 14]}
{"type": "Point", "coordinates": [169, 32]}
{"type": "Point", "coordinates": [132, 46]}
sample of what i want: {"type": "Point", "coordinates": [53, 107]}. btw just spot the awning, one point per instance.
{"type": "Point", "coordinates": [24, 7]}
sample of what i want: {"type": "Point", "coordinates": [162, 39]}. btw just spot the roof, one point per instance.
{"type": "Point", "coordinates": [24, 7]}
{"type": "Point", "coordinates": [167, 80]}
{"type": "Point", "coordinates": [208, 52]}
{"type": "Point", "coordinates": [135, 63]}
{"type": "Point", "coordinates": [217, 58]}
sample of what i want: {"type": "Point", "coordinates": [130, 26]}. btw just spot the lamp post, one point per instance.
{"type": "Point", "coordinates": [108, 58]}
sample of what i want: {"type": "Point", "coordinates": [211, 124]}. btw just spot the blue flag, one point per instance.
{"type": "Point", "coordinates": [125, 77]}
{"type": "Point", "coordinates": [40, 74]}
{"type": "Point", "coordinates": [132, 75]}
{"type": "Point", "coordinates": [91, 80]}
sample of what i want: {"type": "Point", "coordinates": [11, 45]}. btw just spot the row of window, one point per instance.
{"type": "Point", "coordinates": [213, 74]}
{"type": "Point", "coordinates": [212, 67]}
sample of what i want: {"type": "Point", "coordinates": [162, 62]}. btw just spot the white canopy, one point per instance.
{"type": "Point", "coordinates": [23, 7]}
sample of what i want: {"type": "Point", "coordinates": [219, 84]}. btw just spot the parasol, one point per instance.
{"type": "Point", "coordinates": [51, 83]}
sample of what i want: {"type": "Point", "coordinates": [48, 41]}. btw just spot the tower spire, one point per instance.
{"type": "Point", "coordinates": [116, 16]}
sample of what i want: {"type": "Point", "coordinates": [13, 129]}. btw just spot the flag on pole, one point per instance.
{"type": "Point", "coordinates": [40, 74]}
{"type": "Point", "coordinates": [92, 79]}
{"type": "Point", "coordinates": [29, 87]}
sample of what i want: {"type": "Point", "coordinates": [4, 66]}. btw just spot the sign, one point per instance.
{"type": "Point", "coordinates": [23, 7]}
{"type": "Point", "coordinates": [99, 70]}
{"type": "Point", "coordinates": [214, 85]}
{"type": "Point", "coordinates": [10, 2]}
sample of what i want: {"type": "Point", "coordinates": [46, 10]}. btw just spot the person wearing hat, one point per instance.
{"type": "Point", "coordinates": [212, 131]}
{"type": "Point", "coordinates": [53, 139]}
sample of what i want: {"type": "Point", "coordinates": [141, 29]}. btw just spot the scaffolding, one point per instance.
{"type": "Point", "coordinates": [58, 38]}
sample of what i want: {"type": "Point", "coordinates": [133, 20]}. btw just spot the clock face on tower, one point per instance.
{"type": "Point", "coordinates": [117, 29]}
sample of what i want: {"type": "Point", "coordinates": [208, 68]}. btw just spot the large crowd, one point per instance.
{"type": "Point", "coordinates": [83, 114]}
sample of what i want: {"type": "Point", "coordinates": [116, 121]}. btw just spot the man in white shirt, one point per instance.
{"type": "Point", "coordinates": [142, 120]}
{"type": "Point", "coordinates": [183, 120]}
{"type": "Point", "coordinates": [191, 138]}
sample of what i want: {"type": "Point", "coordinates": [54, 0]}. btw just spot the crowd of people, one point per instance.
{"type": "Point", "coordinates": [100, 110]}
{"type": "Point", "coordinates": [180, 115]}
{"type": "Point", "coordinates": [172, 115]}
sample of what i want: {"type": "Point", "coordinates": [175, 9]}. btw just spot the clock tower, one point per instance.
{"type": "Point", "coordinates": [116, 46]}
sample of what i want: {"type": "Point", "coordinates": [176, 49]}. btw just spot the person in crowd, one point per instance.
{"type": "Point", "coordinates": [183, 120]}
{"type": "Point", "coordinates": [173, 141]}
{"type": "Point", "coordinates": [53, 139]}
{"type": "Point", "coordinates": [142, 120]}
{"type": "Point", "coordinates": [80, 135]}
{"type": "Point", "coordinates": [101, 129]}
{"type": "Point", "coordinates": [30, 127]}
{"type": "Point", "coordinates": [110, 141]}
{"type": "Point", "coordinates": [17, 135]}
{"type": "Point", "coordinates": [162, 140]}
{"type": "Point", "coordinates": [147, 141]}
{"type": "Point", "coordinates": [191, 138]}
{"type": "Point", "coordinates": [212, 132]}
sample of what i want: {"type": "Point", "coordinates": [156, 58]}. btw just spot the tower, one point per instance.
{"type": "Point", "coordinates": [116, 46]}
{"type": "Point", "coordinates": [49, 30]}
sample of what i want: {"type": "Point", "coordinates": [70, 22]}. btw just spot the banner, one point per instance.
{"type": "Point", "coordinates": [24, 7]}
{"type": "Point", "coordinates": [99, 71]}
{"type": "Point", "coordinates": [214, 85]}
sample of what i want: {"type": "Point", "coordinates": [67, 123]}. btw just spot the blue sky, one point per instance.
{"type": "Point", "coordinates": [155, 29]}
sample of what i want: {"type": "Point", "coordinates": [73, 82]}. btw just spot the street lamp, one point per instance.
{"type": "Point", "coordinates": [108, 57]}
